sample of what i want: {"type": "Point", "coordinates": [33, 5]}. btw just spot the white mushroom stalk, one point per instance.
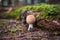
{"type": "Point", "coordinates": [30, 26]}
{"type": "Point", "coordinates": [30, 20]}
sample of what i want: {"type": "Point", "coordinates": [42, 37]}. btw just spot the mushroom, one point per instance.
{"type": "Point", "coordinates": [30, 20]}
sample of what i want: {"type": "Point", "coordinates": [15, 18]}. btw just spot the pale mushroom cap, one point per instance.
{"type": "Point", "coordinates": [30, 19]}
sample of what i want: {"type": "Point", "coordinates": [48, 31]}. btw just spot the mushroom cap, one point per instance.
{"type": "Point", "coordinates": [30, 19]}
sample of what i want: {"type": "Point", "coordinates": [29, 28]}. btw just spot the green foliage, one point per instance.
{"type": "Point", "coordinates": [15, 13]}
{"type": "Point", "coordinates": [14, 30]}
{"type": "Point", "coordinates": [47, 10]}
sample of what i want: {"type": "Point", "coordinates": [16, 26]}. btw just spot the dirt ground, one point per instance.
{"type": "Point", "coordinates": [6, 33]}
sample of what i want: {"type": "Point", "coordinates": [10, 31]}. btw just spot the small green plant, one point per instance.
{"type": "Point", "coordinates": [14, 30]}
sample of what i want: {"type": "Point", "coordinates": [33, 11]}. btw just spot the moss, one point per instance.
{"type": "Point", "coordinates": [47, 10]}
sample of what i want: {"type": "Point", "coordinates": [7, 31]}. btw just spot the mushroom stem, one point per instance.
{"type": "Point", "coordinates": [30, 26]}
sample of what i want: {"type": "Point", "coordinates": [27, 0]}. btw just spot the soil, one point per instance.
{"type": "Point", "coordinates": [22, 34]}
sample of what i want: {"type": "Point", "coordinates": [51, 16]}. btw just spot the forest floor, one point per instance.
{"type": "Point", "coordinates": [13, 30]}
